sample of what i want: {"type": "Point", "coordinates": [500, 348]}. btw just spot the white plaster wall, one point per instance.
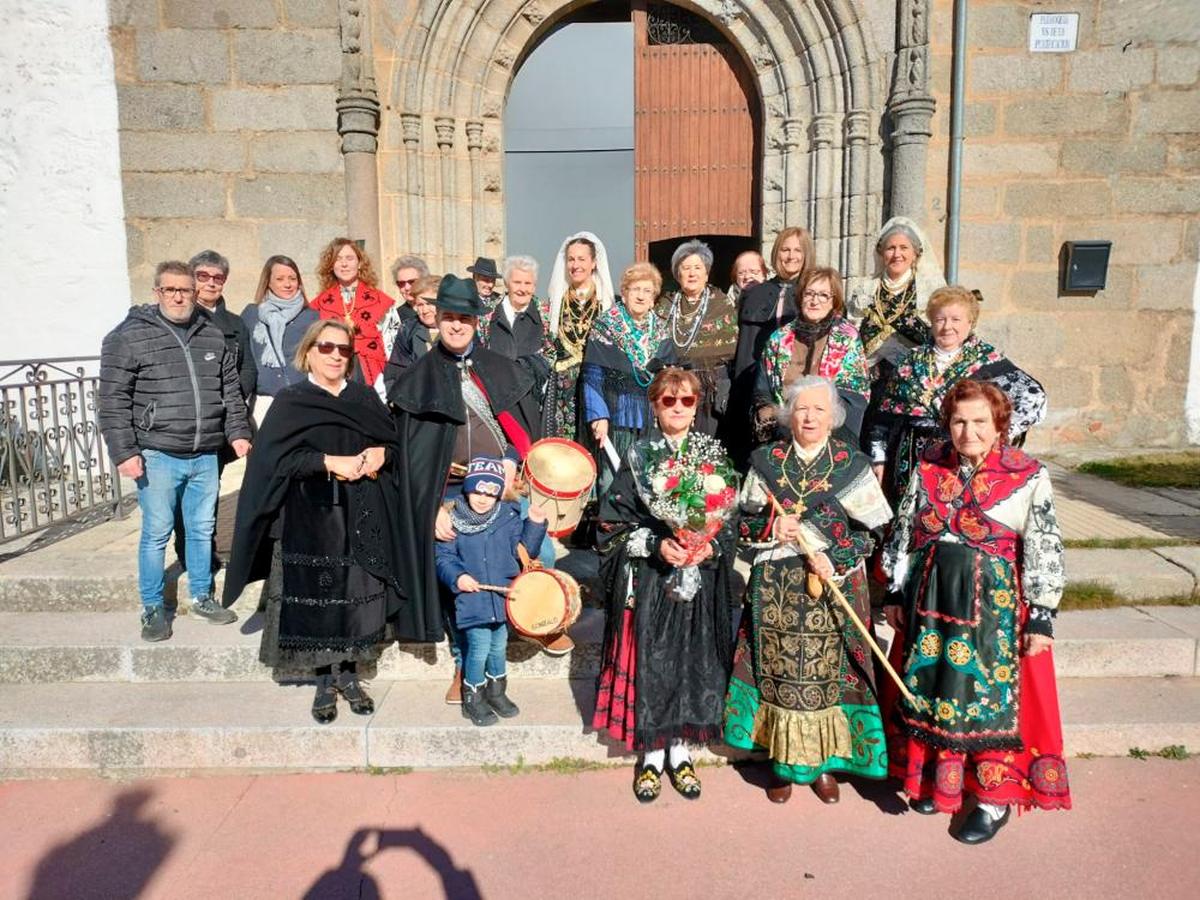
{"type": "Point", "coordinates": [62, 229]}
{"type": "Point", "coordinates": [1191, 407]}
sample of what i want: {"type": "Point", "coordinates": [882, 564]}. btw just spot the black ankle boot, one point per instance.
{"type": "Point", "coordinates": [475, 706]}
{"type": "Point", "coordinates": [494, 691]}
{"type": "Point", "coordinates": [324, 708]}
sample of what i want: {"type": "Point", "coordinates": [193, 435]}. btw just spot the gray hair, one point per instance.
{"type": "Point", "coordinates": [522, 263]}
{"type": "Point", "coordinates": [807, 383]}
{"type": "Point", "coordinates": [899, 228]}
{"type": "Point", "coordinates": [209, 258]}
{"type": "Point", "coordinates": [410, 262]}
{"type": "Point", "coordinates": [691, 248]}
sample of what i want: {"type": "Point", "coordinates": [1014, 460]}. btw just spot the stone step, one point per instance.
{"type": "Point", "coordinates": [98, 647]}
{"type": "Point", "coordinates": [195, 727]}
{"type": "Point", "coordinates": [42, 647]}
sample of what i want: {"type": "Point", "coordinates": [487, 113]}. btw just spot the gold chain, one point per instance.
{"type": "Point", "coordinates": [804, 490]}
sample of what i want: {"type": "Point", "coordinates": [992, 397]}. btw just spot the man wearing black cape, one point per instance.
{"type": "Point", "coordinates": [458, 401]}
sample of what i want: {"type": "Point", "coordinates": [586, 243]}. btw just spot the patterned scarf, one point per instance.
{"type": "Point", "coordinates": [918, 388]}
{"type": "Point", "coordinates": [466, 521]}
{"type": "Point", "coordinates": [637, 342]}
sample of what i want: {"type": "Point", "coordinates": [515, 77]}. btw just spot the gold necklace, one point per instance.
{"type": "Point", "coordinates": [807, 485]}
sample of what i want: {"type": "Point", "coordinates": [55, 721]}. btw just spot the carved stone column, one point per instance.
{"type": "Point", "coordinates": [443, 127]}
{"type": "Point", "coordinates": [474, 148]}
{"type": "Point", "coordinates": [911, 107]}
{"type": "Point", "coordinates": [793, 132]}
{"type": "Point", "coordinates": [410, 134]}
{"type": "Point", "coordinates": [857, 131]}
{"type": "Point", "coordinates": [823, 199]}
{"type": "Point", "coordinates": [358, 124]}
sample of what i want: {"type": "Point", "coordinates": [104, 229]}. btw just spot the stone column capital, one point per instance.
{"type": "Point", "coordinates": [410, 127]}
{"type": "Point", "coordinates": [821, 130]}
{"type": "Point", "coordinates": [358, 121]}
{"type": "Point", "coordinates": [793, 131]}
{"type": "Point", "coordinates": [474, 135]}
{"type": "Point", "coordinates": [911, 119]}
{"type": "Point", "coordinates": [857, 126]}
{"type": "Point", "coordinates": [443, 126]}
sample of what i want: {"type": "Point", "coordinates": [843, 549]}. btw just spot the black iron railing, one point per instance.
{"type": "Point", "coordinates": [54, 466]}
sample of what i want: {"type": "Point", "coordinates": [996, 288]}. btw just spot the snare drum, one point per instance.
{"type": "Point", "coordinates": [543, 602]}
{"type": "Point", "coordinates": [560, 474]}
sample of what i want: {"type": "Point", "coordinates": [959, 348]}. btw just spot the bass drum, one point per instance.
{"type": "Point", "coordinates": [560, 474]}
{"type": "Point", "coordinates": [543, 602]}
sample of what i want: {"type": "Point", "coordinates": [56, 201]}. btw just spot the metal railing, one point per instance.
{"type": "Point", "coordinates": [54, 466]}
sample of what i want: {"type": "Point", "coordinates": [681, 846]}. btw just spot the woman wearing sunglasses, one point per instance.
{"type": "Point", "coordinates": [320, 469]}
{"type": "Point", "coordinates": [820, 341]}
{"type": "Point", "coordinates": [665, 660]}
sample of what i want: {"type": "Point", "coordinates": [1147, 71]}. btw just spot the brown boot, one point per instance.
{"type": "Point", "coordinates": [826, 788]}
{"type": "Point", "coordinates": [557, 644]}
{"type": "Point", "coordinates": [454, 692]}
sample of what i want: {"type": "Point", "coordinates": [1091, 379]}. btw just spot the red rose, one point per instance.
{"type": "Point", "coordinates": [713, 502]}
{"type": "Point", "coordinates": [707, 469]}
{"type": "Point", "coordinates": [672, 483]}
{"type": "Point", "coordinates": [778, 453]}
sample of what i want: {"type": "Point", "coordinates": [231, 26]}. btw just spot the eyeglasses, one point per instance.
{"type": "Point", "coordinates": [204, 277]}
{"type": "Point", "coordinates": [687, 400]}
{"type": "Point", "coordinates": [174, 291]}
{"type": "Point", "coordinates": [405, 282]}
{"type": "Point", "coordinates": [817, 297]}
{"type": "Point", "coordinates": [327, 347]}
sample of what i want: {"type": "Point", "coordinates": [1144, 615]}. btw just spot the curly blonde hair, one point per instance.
{"type": "Point", "coordinates": [366, 272]}
{"type": "Point", "coordinates": [642, 271]}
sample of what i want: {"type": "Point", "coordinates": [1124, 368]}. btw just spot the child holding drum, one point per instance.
{"type": "Point", "coordinates": [481, 558]}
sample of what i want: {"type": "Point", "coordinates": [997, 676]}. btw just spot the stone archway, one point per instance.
{"type": "Point", "coordinates": [820, 79]}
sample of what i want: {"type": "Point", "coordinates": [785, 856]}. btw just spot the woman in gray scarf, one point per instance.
{"type": "Point", "coordinates": [277, 322]}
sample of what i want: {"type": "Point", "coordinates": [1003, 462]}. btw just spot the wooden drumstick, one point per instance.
{"type": "Point", "coordinates": [494, 587]}
{"type": "Point", "coordinates": [846, 605]}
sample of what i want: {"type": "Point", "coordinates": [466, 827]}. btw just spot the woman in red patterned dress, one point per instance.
{"type": "Point", "coordinates": [976, 571]}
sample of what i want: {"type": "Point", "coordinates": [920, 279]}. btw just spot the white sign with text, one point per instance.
{"type": "Point", "coordinates": [1053, 32]}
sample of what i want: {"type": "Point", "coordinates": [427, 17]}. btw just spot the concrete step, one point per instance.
{"type": "Point", "coordinates": [158, 728]}
{"type": "Point", "coordinates": [98, 647]}
{"type": "Point", "coordinates": [42, 647]}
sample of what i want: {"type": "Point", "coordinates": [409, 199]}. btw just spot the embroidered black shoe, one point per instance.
{"type": "Point", "coordinates": [684, 780]}
{"type": "Point", "coordinates": [647, 784]}
{"type": "Point", "coordinates": [324, 708]}
{"type": "Point", "coordinates": [348, 686]}
{"type": "Point", "coordinates": [155, 624]}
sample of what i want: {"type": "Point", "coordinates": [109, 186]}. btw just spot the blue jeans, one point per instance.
{"type": "Point", "coordinates": [486, 645]}
{"type": "Point", "coordinates": [168, 483]}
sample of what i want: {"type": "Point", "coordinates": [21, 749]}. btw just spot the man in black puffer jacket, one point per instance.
{"type": "Point", "coordinates": [169, 402]}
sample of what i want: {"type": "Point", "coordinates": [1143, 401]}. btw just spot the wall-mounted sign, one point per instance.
{"type": "Point", "coordinates": [1053, 32]}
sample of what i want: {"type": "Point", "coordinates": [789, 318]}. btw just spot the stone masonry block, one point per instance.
{"type": "Point", "coordinates": [220, 13]}
{"type": "Point", "coordinates": [1055, 199]}
{"type": "Point", "coordinates": [1030, 334]}
{"type": "Point", "coordinates": [1184, 153]}
{"type": "Point", "coordinates": [1110, 70]}
{"type": "Point", "coordinates": [136, 13]}
{"type": "Point", "coordinates": [173, 151]}
{"type": "Point", "coordinates": [1070, 388]}
{"type": "Point", "coordinates": [1040, 248]}
{"type": "Point", "coordinates": [302, 241]}
{"type": "Point", "coordinates": [1158, 195]}
{"type": "Point", "coordinates": [1147, 21]}
{"type": "Point", "coordinates": [1013, 74]}
{"type": "Point", "coordinates": [1043, 282]}
{"type": "Point", "coordinates": [281, 57]}
{"type": "Point", "coordinates": [182, 55]}
{"type": "Point", "coordinates": [1080, 114]}
{"type": "Point", "coordinates": [988, 160]}
{"type": "Point", "coordinates": [1167, 287]}
{"type": "Point", "coordinates": [1178, 65]}
{"type": "Point", "coordinates": [315, 151]}
{"type": "Point", "coordinates": [289, 197]}
{"type": "Point", "coordinates": [159, 107]}
{"type": "Point", "coordinates": [174, 196]}
{"type": "Point", "coordinates": [135, 245]}
{"type": "Point", "coordinates": [301, 108]}
{"type": "Point", "coordinates": [311, 13]}
{"type": "Point", "coordinates": [1005, 26]}
{"type": "Point", "coordinates": [182, 240]}
{"type": "Point", "coordinates": [979, 119]}
{"type": "Point", "coordinates": [1142, 241]}
{"type": "Point", "coordinates": [1169, 112]}
{"type": "Point", "coordinates": [1097, 157]}
{"type": "Point", "coordinates": [990, 242]}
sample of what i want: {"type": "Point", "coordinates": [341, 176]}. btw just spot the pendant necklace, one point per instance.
{"type": "Point", "coordinates": [808, 485]}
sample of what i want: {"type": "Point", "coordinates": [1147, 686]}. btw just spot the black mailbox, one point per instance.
{"type": "Point", "coordinates": [1084, 266]}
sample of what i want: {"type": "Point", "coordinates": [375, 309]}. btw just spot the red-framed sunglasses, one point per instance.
{"type": "Point", "coordinates": [668, 400]}
{"type": "Point", "coordinates": [327, 347]}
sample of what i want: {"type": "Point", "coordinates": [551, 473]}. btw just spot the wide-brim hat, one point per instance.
{"type": "Point", "coordinates": [485, 267]}
{"type": "Point", "coordinates": [459, 295]}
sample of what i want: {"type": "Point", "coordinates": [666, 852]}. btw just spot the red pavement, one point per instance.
{"type": "Point", "coordinates": [1133, 833]}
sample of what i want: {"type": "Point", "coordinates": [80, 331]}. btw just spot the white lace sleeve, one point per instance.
{"type": "Point", "coordinates": [639, 544]}
{"type": "Point", "coordinates": [896, 550]}
{"type": "Point", "coordinates": [1043, 576]}
{"type": "Point", "coordinates": [1028, 399]}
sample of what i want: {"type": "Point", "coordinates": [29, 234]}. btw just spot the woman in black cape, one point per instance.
{"type": "Point", "coordinates": [313, 515]}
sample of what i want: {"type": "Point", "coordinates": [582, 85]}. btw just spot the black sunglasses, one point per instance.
{"type": "Point", "coordinates": [327, 347]}
{"type": "Point", "coordinates": [668, 400]}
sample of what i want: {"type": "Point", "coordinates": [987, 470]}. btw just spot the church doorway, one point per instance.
{"type": "Point", "coordinates": [638, 121]}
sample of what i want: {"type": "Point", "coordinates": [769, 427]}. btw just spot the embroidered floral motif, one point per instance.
{"type": "Point", "coordinates": [842, 361]}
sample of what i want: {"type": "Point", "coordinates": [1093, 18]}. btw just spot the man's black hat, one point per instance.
{"type": "Point", "coordinates": [459, 295]}
{"type": "Point", "coordinates": [485, 267]}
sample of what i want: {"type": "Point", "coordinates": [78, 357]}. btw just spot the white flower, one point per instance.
{"type": "Point", "coordinates": [659, 483]}
{"type": "Point", "coordinates": [713, 484]}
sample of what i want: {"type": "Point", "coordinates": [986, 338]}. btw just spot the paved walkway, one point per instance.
{"type": "Point", "coordinates": [469, 834]}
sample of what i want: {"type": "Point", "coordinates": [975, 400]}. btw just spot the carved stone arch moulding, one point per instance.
{"type": "Point", "coordinates": [810, 62]}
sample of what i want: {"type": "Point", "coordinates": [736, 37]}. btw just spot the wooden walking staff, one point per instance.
{"type": "Point", "coordinates": [849, 609]}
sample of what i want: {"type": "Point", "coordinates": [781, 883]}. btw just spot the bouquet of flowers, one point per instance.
{"type": "Point", "coordinates": [694, 490]}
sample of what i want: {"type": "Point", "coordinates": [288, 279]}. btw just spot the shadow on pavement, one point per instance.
{"type": "Point", "coordinates": [350, 879]}
{"type": "Point", "coordinates": [116, 858]}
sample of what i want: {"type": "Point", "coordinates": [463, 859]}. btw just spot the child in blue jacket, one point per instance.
{"type": "Point", "coordinates": [484, 551]}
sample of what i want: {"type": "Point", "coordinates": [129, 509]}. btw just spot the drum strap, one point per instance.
{"type": "Point", "coordinates": [517, 436]}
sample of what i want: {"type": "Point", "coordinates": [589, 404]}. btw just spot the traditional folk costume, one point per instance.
{"type": "Point", "coordinates": [521, 336]}
{"type": "Point", "coordinates": [616, 373]}
{"type": "Point", "coordinates": [978, 555]}
{"type": "Point", "coordinates": [803, 684]}
{"type": "Point", "coordinates": [573, 311]}
{"type": "Point", "coordinates": [704, 335]}
{"type": "Point", "coordinates": [364, 308]}
{"type": "Point", "coordinates": [763, 310]}
{"type": "Point", "coordinates": [911, 402]}
{"type": "Point", "coordinates": [829, 348]}
{"type": "Point", "coordinates": [665, 662]}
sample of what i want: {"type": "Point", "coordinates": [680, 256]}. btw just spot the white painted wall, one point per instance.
{"type": "Point", "coordinates": [62, 220]}
{"type": "Point", "coordinates": [1191, 406]}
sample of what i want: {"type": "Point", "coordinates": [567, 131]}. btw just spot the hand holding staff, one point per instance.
{"type": "Point", "coordinates": [849, 609]}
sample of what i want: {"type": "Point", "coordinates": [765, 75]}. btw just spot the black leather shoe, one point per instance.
{"type": "Point", "coordinates": [647, 784]}
{"type": "Point", "coordinates": [979, 828]}
{"type": "Point", "coordinates": [925, 807]}
{"type": "Point", "coordinates": [360, 701]}
{"type": "Point", "coordinates": [324, 708]}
